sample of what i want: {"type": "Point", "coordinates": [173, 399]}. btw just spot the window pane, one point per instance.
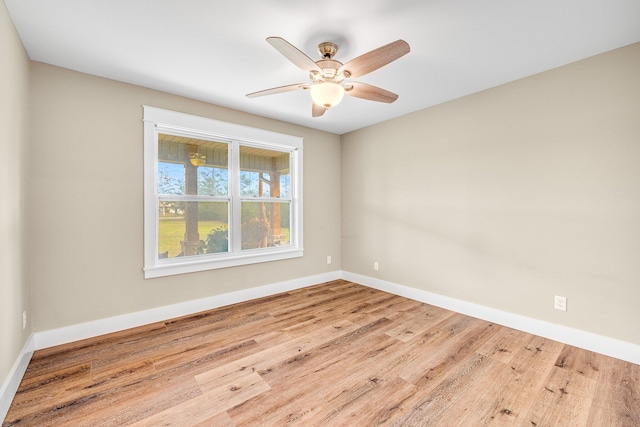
{"type": "Point", "coordinates": [170, 178]}
{"type": "Point", "coordinates": [265, 224]}
{"type": "Point", "coordinates": [212, 181]}
{"type": "Point", "coordinates": [192, 166]}
{"type": "Point", "coordinates": [264, 173]}
{"type": "Point", "coordinates": [192, 228]}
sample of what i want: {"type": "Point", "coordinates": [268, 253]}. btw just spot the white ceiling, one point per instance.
{"type": "Point", "coordinates": [215, 51]}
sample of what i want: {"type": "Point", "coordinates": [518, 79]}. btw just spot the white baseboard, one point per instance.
{"type": "Point", "coordinates": [589, 341]}
{"type": "Point", "coordinates": [11, 383]}
{"type": "Point", "coordinates": [605, 345]}
{"type": "Point", "coordinates": [601, 344]}
{"type": "Point", "coordinates": [95, 328]}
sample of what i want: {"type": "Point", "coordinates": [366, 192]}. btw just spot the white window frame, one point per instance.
{"type": "Point", "coordinates": [158, 120]}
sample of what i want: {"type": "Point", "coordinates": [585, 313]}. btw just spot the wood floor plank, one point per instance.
{"type": "Point", "coordinates": [300, 381]}
{"type": "Point", "coordinates": [617, 398]}
{"type": "Point", "coordinates": [119, 409]}
{"type": "Point", "coordinates": [219, 420]}
{"type": "Point", "coordinates": [332, 354]}
{"type": "Point", "coordinates": [462, 342]}
{"type": "Point", "coordinates": [581, 361]}
{"type": "Point", "coordinates": [465, 378]}
{"type": "Point", "coordinates": [505, 344]}
{"type": "Point", "coordinates": [563, 397]}
{"type": "Point", "coordinates": [377, 403]}
{"type": "Point", "coordinates": [35, 391]}
{"type": "Point", "coordinates": [303, 373]}
{"type": "Point", "coordinates": [415, 320]}
{"type": "Point", "coordinates": [320, 301]}
{"type": "Point", "coordinates": [210, 404]}
{"type": "Point", "coordinates": [506, 399]}
{"type": "Point", "coordinates": [95, 349]}
{"type": "Point", "coordinates": [264, 359]}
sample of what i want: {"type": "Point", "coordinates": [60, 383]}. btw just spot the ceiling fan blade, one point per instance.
{"type": "Point", "coordinates": [375, 59]}
{"type": "Point", "coordinates": [371, 93]}
{"type": "Point", "coordinates": [293, 54]}
{"type": "Point", "coordinates": [279, 89]}
{"type": "Point", "coordinates": [316, 110]}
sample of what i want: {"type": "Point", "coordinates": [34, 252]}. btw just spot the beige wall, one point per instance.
{"type": "Point", "coordinates": [14, 143]}
{"type": "Point", "coordinates": [87, 202]}
{"type": "Point", "coordinates": [508, 197]}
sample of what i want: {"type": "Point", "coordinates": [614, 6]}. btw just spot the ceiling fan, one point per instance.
{"type": "Point", "coordinates": [327, 76]}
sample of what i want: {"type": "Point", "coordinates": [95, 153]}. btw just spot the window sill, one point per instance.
{"type": "Point", "coordinates": [183, 267]}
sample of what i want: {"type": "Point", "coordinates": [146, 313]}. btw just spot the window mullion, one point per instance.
{"type": "Point", "coordinates": [192, 198]}
{"type": "Point", "coordinates": [266, 199]}
{"type": "Point", "coordinates": [295, 208]}
{"type": "Point", "coordinates": [236, 204]}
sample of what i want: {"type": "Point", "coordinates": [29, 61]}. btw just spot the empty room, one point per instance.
{"type": "Point", "coordinates": [268, 213]}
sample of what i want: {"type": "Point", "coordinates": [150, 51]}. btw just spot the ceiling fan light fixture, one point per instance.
{"type": "Point", "coordinates": [327, 94]}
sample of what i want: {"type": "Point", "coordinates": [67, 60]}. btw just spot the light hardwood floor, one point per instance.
{"type": "Point", "coordinates": [335, 354]}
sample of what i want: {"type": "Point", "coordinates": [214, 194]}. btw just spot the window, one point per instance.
{"type": "Point", "coordinates": [218, 194]}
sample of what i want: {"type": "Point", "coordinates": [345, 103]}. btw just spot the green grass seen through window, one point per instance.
{"type": "Point", "coordinates": [171, 232]}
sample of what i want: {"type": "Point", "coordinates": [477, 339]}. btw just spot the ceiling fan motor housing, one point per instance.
{"type": "Point", "coordinates": [328, 65]}
{"type": "Point", "coordinates": [327, 50]}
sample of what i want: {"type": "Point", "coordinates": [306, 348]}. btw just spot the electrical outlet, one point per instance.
{"type": "Point", "coordinates": [328, 259]}
{"type": "Point", "coordinates": [560, 303]}
{"type": "Point", "coordinates": [24, 320]}
{"type": "Point", "coordinates": [376, 266]}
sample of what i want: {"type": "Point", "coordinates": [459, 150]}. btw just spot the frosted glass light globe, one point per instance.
{"type": "Point", "coordinates": [327, 94]}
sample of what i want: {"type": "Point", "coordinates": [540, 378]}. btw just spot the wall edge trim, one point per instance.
{"type": "Point", "coordinates": [11, 383]}
{"type": "Point", "coordinates": [607, 346]}
{"type": "Point", "coordinates": [80, 331]}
